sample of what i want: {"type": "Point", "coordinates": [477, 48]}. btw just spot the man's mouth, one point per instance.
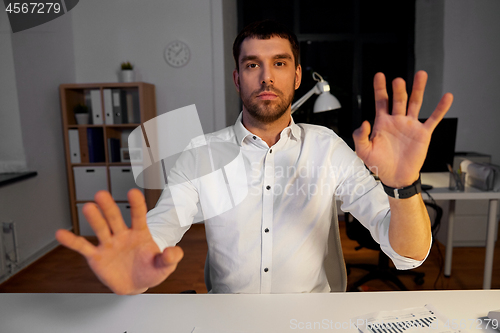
{"type": "Point", "coordinates": [266, 95]}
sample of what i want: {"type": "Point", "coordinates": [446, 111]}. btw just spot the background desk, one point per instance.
{"type": "Point", "coordinates": [78, 313]}
{"type": "Point", "coordinates": [470, 193]}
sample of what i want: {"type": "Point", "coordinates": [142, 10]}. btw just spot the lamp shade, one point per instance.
{"type": "Point", "coordinates": [326, 102]}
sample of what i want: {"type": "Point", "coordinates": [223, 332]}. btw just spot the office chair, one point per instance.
{"type": "Point", "coordinates": [356, 231]}
{"type": "Point", "coordinates": [208, 283]}
{"type": "Point", "coordinates": [334, 264]}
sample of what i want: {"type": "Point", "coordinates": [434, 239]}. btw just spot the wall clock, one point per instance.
{"type": "Point", "coordinates": [177, 54]}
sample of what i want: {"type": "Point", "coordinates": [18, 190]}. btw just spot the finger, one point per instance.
{"type": "Point", "coordinates": [360, 136]}
{"type": "Point", "coordinates": [169, 256]}
{"type": "Point", "coordinates": [381, 97]}
{"type": "Point", "coordinates": [399, 97]}
{"type": "Point", "coordinates": [438, 114]}
{"type": "Point", "coordinates": [97, 222]}
{"type": "Point", "coordinates": [111, 211]}
{"type": "Point", "coordinates": [138, 209]}
{"type": "Point", "coordinates": [417, 94]}
{"type": "Point", "coordinates": [75, 243]}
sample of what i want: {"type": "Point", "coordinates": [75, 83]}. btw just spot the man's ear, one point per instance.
{"type": "Point", "coordinates": [298, 76]}
{"type": "Point", "coordinates": [236, 79]}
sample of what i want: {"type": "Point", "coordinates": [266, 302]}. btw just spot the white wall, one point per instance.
{"type": "Point", "coordinates": [457, 43]}
{"type": "Point", "coordinates": [107, 33]}
{"type": "Point", "coordinates": [472, 72]}
{"type": "Point", "coordinates": [429, 50]}
{"type": "Point", "coordinates": [87, 45]}
{"type": "Point", "coordinates": [43, 59]}
{"type": "Point", "coordinates": [230, 32]}
{"type": "Point", "coordinates": [12, 158]}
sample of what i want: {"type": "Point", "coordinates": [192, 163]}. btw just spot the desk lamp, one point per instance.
{"type": "Point", "coordinates": [325, 101]}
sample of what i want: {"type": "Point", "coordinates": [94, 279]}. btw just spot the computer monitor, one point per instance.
{"type": "Point", "coordinates": [442, 147]}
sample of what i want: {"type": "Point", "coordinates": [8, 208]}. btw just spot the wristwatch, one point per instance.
{"type": "Point", "coordinates": [405, 192]}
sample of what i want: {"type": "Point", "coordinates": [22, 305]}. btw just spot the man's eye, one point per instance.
{"type": "Point", "coordinates": [252, 65]}
{"type": "Point", "coordinates": [280, 63]}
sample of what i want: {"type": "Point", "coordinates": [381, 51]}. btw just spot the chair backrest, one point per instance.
{"type": "Point", "coordinates": [208, 283]}
{"type": "Point", "coordinates": [437, 216]}
{"type": "Point", "coordinates": [334, 263]}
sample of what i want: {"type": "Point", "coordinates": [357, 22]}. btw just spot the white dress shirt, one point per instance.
{"type": "Point", "coordinates": [273, 237]}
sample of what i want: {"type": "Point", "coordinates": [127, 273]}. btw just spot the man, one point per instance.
{"type": "Point", "coordinates": [276, 241]}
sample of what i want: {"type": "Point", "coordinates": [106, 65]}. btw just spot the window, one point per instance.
{"type": "Point", "coordinates": [346, 42]}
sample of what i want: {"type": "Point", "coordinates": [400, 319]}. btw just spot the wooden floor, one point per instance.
{"type": "Point", "coordinates": [63, 271]}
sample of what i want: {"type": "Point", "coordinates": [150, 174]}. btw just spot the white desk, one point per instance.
{"type": "Point", "coordinates": [79, 313]}
{"type": "Point", "coordinates": [470, 193]}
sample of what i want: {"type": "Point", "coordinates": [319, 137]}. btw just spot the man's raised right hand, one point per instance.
{"type": "Point", "coordinates": [128, 261]}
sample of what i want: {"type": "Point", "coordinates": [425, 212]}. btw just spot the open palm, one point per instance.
{"type": "Point", "coordinates": [397, 147]}
{"type": "Point", "coordinates": [128, 261]}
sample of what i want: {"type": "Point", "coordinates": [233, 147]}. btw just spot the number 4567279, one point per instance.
{"type": "Point", "coordinates": [33, 7]}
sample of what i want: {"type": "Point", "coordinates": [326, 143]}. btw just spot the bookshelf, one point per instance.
{"type": "Point", "coordinates": [96, 152]}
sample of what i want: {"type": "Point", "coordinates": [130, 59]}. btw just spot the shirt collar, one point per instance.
{"type": "Point", "coordinates": [292, 130]}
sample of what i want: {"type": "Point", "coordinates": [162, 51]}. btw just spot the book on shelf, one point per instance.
{"type": "Point", "coordinates": [95, 96]}
{"type": "Point", "coordinates": [108, 106]}
{"type": "Point", "coordinates": [95, 143]}
{"type": "Point", "coordinates": [88, 100]}
{"type": "Point", "coordinates": [74, 146]}
{"type": "Point", "coordinates": [124, 106]}
{"type": "Point", "coordinates": [136, 112]}
{"type": "Point", "coordinates": [113, 150]}
{"type": "Point", "coordinates": [78, 148]}
{"type": "Point", "coordinates": [133, 109]}
{"type": "Point", "coordinates": [117, 109]}
{"type": "Point", "coordinates": [130, 107]}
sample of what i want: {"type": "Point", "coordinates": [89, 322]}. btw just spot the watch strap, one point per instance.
{"type": "Point", "coordinates": [405, 192]}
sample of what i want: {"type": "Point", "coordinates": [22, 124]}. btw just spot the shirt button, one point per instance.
{"type": "Point", "coordinates": [270, 151]}
{"type": "Point", "coordinates": [268, 187]}
{"type": "Point", "coordinates": [266, 230]}
{"type": "Point", "coordinates": [265, 269]}
{"type": "Point", "coordinates": [254, 137]}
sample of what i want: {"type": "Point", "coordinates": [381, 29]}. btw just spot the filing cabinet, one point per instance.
{"type": "Point", "coordinates": [97, 153]}
{"type": "Point", "coordinates": [88, 181]}
{"type": "Point", "coordinates": [86, 229]}
{"type": "Point", "coordinates": [121, 180]}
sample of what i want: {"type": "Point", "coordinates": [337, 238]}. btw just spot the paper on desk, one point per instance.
{"type": "Point", "coordinates": [424, 319]}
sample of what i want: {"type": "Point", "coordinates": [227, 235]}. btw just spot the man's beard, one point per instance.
{"type": "Point", "coordinates": [267, 111]}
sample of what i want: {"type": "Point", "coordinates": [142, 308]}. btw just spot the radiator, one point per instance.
{"type": "Point", "coordinates": [9, 257]}
{"type": "Point", "coordinates": [3, 269]}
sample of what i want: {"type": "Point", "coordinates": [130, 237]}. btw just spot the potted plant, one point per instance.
{"type": "Point", "coordinates": [81, 114]}
{"type": "Point", "coordinates": [127, 73]}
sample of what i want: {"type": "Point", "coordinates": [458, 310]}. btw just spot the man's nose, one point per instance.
{"type": "Point", "coordinates": [267, 76]}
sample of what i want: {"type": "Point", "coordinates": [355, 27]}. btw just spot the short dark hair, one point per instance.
{"type": "Point", "coordinates": [265, 30]}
